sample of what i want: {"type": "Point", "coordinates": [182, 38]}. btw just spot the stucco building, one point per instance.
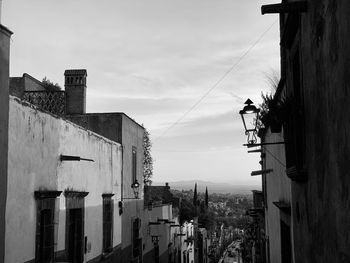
{"type": "Point", "coordinates": [307, 201]}
{"type": "Point", "coordinates": [60, 206]}
{"type": "Point", "coordinates": [118, 127]}
{"type": "Point", "coordinates": [129, 134]}
{"type": "Point", "coordinates": [161, 228]}
{"type": "Point", "coordinates": [5, 35]}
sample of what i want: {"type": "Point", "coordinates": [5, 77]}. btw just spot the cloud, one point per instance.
{"type": "Point", "coordinates": [154, 60]}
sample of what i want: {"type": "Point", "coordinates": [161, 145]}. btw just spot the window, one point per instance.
{"type": "Point", "coordinates": [134, 164]}
{"type": "Point", "coordinates": [45, 225]}
{"type": "Point", "coordinates": [107, 223]}
{"type": "Point", "coordinates": [286, 246]}
{"type": "Point", "coordinates": [295, 125]}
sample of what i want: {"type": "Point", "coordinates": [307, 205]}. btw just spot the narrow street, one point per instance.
{"type": "Point", "coordinates": [233, 259]}
{"type": "Point", "coordinates": [232, 255]}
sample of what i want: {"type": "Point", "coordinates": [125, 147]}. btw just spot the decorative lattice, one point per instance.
{"type": "Point", "coordinates": [51, 101]}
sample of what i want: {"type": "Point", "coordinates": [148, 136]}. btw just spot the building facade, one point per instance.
{"type": "Point", "coordinates": [117, 127]}
{"type": "Point", "coordinates": [161, 228]}
{"type": "Point", "coordinates": [61, 177]}
{"type": "Point", "coordinates": [311, 192]}
{"type": "Point", "coordinates": [5, 35]}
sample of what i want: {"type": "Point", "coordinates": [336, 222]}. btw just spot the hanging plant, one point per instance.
{"type": "Point", "coordinates": [274, 113]}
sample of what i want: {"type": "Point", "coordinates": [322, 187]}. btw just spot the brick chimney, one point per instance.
{"type": "Point", "coordinates": [75, 87]}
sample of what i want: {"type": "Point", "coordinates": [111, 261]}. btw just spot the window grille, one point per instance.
{"type": "Point", "coordinates": [51, 101]}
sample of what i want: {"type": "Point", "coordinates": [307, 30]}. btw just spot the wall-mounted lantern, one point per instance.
{"type": "Point", "coordinates": [249, 116]}
{"type": "Point", "coordinates": [136, 187]}
{"type": "Point", "coordinates": [155, 240]}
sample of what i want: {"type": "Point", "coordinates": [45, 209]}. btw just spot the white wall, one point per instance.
{"type": "Point", "coordinates": [278, 188]}
{"type": "Point", "coordinates": [132, 136]}
{"type": "Point", "coordinates": [36, 140]}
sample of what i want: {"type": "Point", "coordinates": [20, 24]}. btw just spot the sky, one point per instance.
{"type": "Point", "coordinates": [154, 60]}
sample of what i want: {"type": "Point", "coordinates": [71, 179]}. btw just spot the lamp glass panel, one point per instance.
{"type": "Point", "coordinates": [250, 121]}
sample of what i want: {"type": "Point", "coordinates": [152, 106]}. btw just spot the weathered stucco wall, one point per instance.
{"type": "Point", "coordinates": [36, 140]}
{"type": "Point", "coordinates": [132, 209]}
{"type": "Point", "coordinates": [132, 135]}
{"type": "Point", "coordinates": [4, 122]}
{"type": "Point", "coordinates": [120, 128]}
{"type": "Point", "coordinates": [164, 231]}
{"type": "Point", "coordinates": [323, 224]}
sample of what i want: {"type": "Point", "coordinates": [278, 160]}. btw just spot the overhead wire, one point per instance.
{"type": "Point", "coordinates": [217, 82]}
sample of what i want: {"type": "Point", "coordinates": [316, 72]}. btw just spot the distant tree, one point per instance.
{"type": "Point", "coordinates": [50, 86]}
{"type": "Point", "coordinates": [207, 219]}
{"type": "Point", "coordinates": [147, 159]}
{"type": "Point", "coordinates": [195, 195]}
{"type": "Point", "coordinates": [187, 211]}
{"type": "Point", "coordinates": [202, 207]}
{"type": "Point", "coordinates": [206, 197]}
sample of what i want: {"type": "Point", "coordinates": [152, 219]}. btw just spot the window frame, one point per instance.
{"type": "Point", "coordinates": [134, 164]}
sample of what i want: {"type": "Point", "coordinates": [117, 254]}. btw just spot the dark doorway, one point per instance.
{"type": "Point", "coordinates": [156, 253]}
{"type": "Point", "coordinates": [75, 235]}
{"type": "Point", "coordinates": [286, 246]}
{"type": "Point", "coordinates": [46, 240]}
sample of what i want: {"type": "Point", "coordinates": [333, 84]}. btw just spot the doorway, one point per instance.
{"type": "Point", "coordinates": [75, 235]}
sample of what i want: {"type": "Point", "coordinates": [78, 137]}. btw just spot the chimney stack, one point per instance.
{"type": "Point", "coordinates": [75, 87]}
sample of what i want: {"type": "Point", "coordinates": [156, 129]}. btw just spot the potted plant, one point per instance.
{"type": "Point", "coordinates": [274, 113]}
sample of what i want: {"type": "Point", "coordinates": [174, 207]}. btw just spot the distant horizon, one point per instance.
{"type": "Point", "coordinates": [207, 181]}
{"type": "Point", "coordinates": [213, 187]}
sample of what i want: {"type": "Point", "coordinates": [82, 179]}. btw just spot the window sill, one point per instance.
{"type": "Point", "coordinates": [107, 254]}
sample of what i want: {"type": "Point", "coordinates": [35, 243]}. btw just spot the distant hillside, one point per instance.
{"type": "Point", "coordinates": [222, 188]}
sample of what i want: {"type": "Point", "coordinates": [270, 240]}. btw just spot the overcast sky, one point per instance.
{"type": "Point", "coordinates": [153, 60]}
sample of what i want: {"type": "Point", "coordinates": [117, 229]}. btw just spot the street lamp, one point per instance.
{"type": "Point", "coordinates": [135, 187]}
{"type": "Point", "coordinates": [249, 116]}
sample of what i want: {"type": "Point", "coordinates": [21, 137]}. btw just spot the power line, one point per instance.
{"type": "Point", "coordinates": [198, 151]}
{"type": "Point", "coordinates": [217, 82]}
